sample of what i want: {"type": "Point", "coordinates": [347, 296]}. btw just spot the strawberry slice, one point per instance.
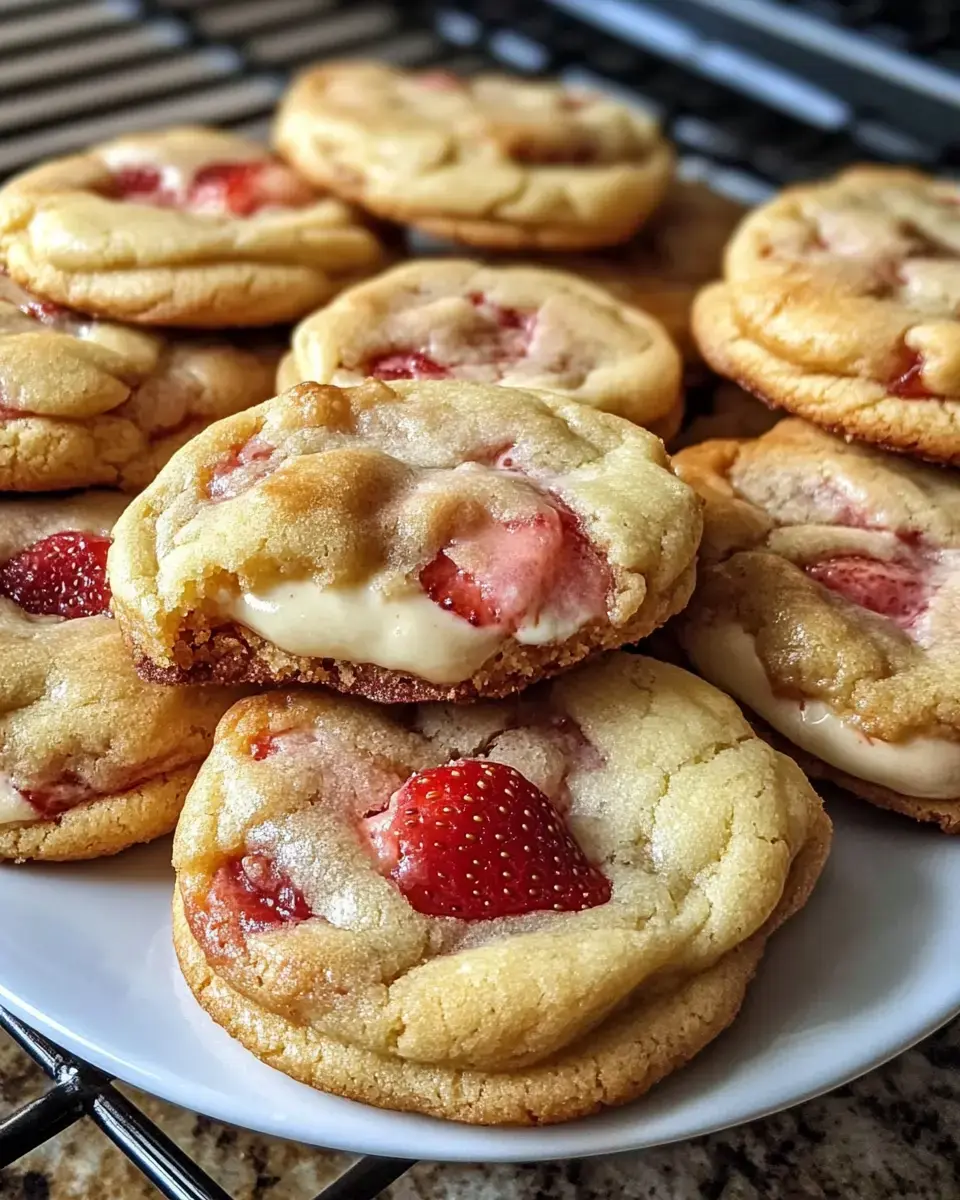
{"type": "Point", "coordinates": [510, 571]}
{"type": "Point", "coordinates": [63, 575]}
{"type": "Point", "coordinates": [502, 315]}
{"type": "Point", "coordinates": [139, 184]}
{"type": "Point", "coordinates": [251, 895]}
{"type": "Point", "coordinates": [244, 188]}
{"type": "Point", "coordinates": [890, 589]}
{"type": "Point", "coordinates": [909, 384]}
{"type": "Point", "coordinates": [476, 840]}
{"type": "Point", "coordinates": [240, 469]}
{"type": "Point", "coordinates": [412, 365]}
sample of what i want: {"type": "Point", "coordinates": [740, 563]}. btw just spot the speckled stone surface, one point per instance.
{"type": "Point", "coordinates": [894, 1133]}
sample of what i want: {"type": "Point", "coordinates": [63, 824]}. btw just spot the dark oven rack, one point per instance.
{"type": "Point", "coordinates": [755, 93]}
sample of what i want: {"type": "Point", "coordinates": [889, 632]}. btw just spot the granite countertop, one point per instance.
{"type": "Point", "coordinates": [894, 1133]}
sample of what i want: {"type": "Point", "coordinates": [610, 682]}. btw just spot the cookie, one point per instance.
{"type": "Point", "coordinates": [89, 403]}
{"type": "Point", "coordinates": [192, 226]}
{"type": "Point", "coordinates": [840, 305]}
{"type": "Point", "coordinates": [92, 759]}
{"type": "Point", "coordinates": [828, 601]}
{"type": "Point", "coordinates": [420, 540]}
{"type": "Point", "coordinates": [662, 268]}
{"type": "Point", "coordinates": [490, 161]}
{"type": "Point", "coordinates": [511, 913]}
{"type": "Point", "coordinates": [516, 326]}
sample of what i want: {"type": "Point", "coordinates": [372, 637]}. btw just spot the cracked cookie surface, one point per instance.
{"type": "Point", "coordinates": [92, 759]}
{"type": "Point", "coordinates": [489, 161]}
{"type": "Point", "coordinates": [88, 403]}
{"type": "Point", "coordinates": [191, 227]}
{"type": "Point", "coordinates": [299, 931]}
{"type": "Point", "coordinates": [840, 304]}
{"type": "Point", "coordinates": [409, 541]}
{"type": "Point", "coordinates": [828, 600]}
{"type": "Point", "coordinates": [515, 326]}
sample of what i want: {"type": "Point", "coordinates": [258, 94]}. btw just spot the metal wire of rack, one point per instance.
{"type": "Point", "coordinates": [755, 93]}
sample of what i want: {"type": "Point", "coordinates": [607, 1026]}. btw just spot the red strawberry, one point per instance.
{"type": "Point", "coordinates": [909, 384]}
{"type": "Point", "coordinates": [250, 895]}
{"type": "Point", "coordinates": [63, 575]}
{"type": "Point", "coordinates": [457, 591]}
{"type": "Point", "coordinates": [505, 317]}
{"type": "Point", "coordinates": [240, 469]}
{"type": "Point", "coordinates": [406, 366]}
{"type": "Point", "coordinates": [891, 589]}
{"type": "Point", "coordinates": [243, 188]}
{"type": "Point", "coordinates": [476, 840]}
{"type": "Point", "coordinates": [137, 183]}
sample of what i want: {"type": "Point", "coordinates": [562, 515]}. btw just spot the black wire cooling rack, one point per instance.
{"type": "Point", "coordinates": [755, 93]}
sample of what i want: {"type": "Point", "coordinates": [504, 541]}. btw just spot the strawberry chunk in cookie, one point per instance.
{"type": "Point", "coordinates": [422, 540]}
{"type": "Point", "coordinates": [830, 604]}
{"type": "Point", "coordinates": [514, 326]}
{"type": "Point", "coordinates": [489, 904]}
{"type": "Point", "coordinates": [92, 759]}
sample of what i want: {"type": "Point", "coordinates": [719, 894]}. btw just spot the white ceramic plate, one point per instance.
{"type": "Point", "coordinates": [870, 965]}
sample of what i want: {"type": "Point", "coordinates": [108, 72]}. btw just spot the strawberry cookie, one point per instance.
{"type": "Point", "coordinates": [675, 253]}
{"type": "Point", "coordinates": [84, 402]}
{"type": "Point", "coordinates": [841, 304]}
{"type": "Point", "coordinates": [828, 600]}
{"type": "Point", "coordinates": [190, 227]}
{"type": "Point", "coordinates": [418, 540]}
{"type": "Point", "coordinates": [516, 326]}
{"type": "Point", "coordinates": [508, 913]}
{"type": "Point", "coordinates": [92, 759]}
{"type": "Point", "coordinates": [490, 161]}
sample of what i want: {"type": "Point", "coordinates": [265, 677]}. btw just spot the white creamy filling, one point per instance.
{"type": "Point", "coordinates": [919, 766]}
{"type": "Point", "coordinates": [400, 631]}
{"type": "Point", "coordinates": [13, 808]}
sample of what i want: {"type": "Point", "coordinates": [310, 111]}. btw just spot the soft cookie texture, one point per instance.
{"type": "Point", "coordinates": [192, 226]}
{"type": "Point", "coordinates": [491, 160]}
{"type": "Point", "coordinates": [662, 268]}
{"type": "Point", "coordinates": [840, 305]}
{"type": "Point", "coordinates": [516, 326]}
{"type": "Point", "coordinates": [92, 759]}
{"type": "Point", "coordinates": [828, 601]}
{"type": "Point", "coordinates": [303, 933]}
{"type": "Point", "coordinates": [420, 540]}
{"type": "Point", "coordinates": [85, 402]}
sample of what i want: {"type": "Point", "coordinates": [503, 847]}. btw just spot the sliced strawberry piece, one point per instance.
{"type": "Point", "coordinates": [240, 469]}
{"type": "Point", "coordinates": [57, 798]}
{"type": "Point", "coordinates": [890, 589]}
{"type": "Point", "coordinates": [63, 575]}
{"type": "Point", "coordinates": [244, 188]}
{"type": "Point", "coordinates": [250, 895]}
{"type": "Point", "coordinates": [504, 316]}
{"type": "Point", "coordinates": [412, 365]}
{"type": "Point", "coordinates": [476, 840]}
{"type": "Point", "coordinates": [508, 572]}
{"type": "Point", "coordinates": [140, 184]}
{"type": "Point", "coordinates": [909, 384]}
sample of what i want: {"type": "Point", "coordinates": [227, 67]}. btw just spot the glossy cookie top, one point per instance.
{"type": "Point", "coordinates": [464, 516]}
{"type": "Point", "coordinates": [478, 887]}
{"type": "Point", "coordinates": [516, 326]}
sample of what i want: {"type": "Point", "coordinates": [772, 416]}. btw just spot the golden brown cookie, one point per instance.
{"type": "Point", "coordinates": [92, 759]}
{"type": "Point", "coordinates": [511, 913]}
{"type": "Point", "coordinates": [516, 326]}
{"type": "Point", "coordinates": [491, 161]}
{"type": "Point", "coordinates": [420, 540]}
{"type": "Point", "coordinates": [192, 226]}
{"type": "Point", "coordinates": [84, 402]}
{"type": "Point", "coordinates": [828, 601]}
{"type": "Point", "coordinates": [840, 304]}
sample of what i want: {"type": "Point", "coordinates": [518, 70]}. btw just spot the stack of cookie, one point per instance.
{"type": "Point", "coordinates": [829, 591]}
{"type": "Point", "coordinates": [453, 851]}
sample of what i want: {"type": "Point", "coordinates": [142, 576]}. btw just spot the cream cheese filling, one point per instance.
{"type": "Point", "coordinates": [400, 628]}
{"type": "Point", "coordinates": [925, 767]}
{"type": "Point", "coordinates": [13, 808]}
